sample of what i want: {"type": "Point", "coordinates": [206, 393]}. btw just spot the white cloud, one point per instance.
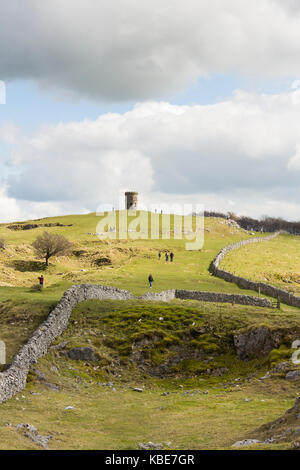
{"type": "Point", "coordinates": [8, 133]}
{"type": "Point", "coordinates": [12, 210]}
{"type": "Point", "coordinates": [9, 209]}
{"type": "Point", "coordinates": [240, 150]}
{"type": "Point", "coordinates": [294, 161]}
{"type": "Point", "coordinates": [133, 50]}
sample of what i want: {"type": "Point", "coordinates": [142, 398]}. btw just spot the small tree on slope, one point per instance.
{"type": "Point", "coordinates": [50, 244]}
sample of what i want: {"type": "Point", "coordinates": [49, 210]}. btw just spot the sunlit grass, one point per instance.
{"type": "Point", "coordinates": [276, 262]}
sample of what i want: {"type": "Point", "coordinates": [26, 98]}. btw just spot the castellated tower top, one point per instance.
{"type": "Point", "coordinates": [131, 200]}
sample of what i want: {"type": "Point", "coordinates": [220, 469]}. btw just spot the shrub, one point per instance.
{"type": "Point", "coordinates": [279, 355]}
{"type": "Point", "coordinates": [168, 341]}
{"type": "Point", "coordinates": [157, 357]}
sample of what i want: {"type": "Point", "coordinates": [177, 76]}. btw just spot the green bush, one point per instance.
{"type": "Point", "coordinates": [279, 355]}
{"type": "Point", "coordinates": [168, 341]}
{"type": "Point", "coordinates": [205, 346]}
{"type": "Point", "coordinates": [157, 357]}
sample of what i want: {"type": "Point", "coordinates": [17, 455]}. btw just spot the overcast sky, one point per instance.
{"type": "Point", "coordinates": [185, 102]}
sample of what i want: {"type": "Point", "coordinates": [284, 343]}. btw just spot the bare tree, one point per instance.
{"type": "Point", "coordinates": [232, 216]}
{"type": "Point", "coordinates": [50, 244]}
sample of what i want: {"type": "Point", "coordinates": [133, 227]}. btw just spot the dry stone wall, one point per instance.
{"type": "Point", "coordinates": [221, 297]}
{"type": "Point", "coordinates": [14, 378]}
{"type": "Point", "coordinates": [168, 295]}
{"type": "Point", "coordinates": [271, 291]}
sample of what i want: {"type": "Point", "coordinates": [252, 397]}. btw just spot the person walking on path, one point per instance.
{"type": "Point", "coordinates": [150, 279]}
{"type": "Point", "coordinates": [167, 256]}
{"type": "Point", "coordinates": [41, 280]}
{"type": "Point", "coordinates": [159, 255]}
{"type": "Point", "coordinates": [171, 256]}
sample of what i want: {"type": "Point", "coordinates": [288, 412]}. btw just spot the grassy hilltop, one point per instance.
{"type": "Point", "coordinates": [181, 354]}
{"type": "Point", "coordinates": [122, 263]}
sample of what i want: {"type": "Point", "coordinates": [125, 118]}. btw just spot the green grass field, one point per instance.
{"type": "Point", "coordinates": [131, 260]}
{"type": "Point", "coordinates": [213, 411]}
{"type": "Point", "coordinates": [169, 350]}
{"type": "Point", "coordinates": [276, 262]}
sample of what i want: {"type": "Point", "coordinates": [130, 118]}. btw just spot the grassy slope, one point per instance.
{"type": "Point", "coordinates": [213, 415]}
{"type": "Point", "coordinates": [131, 260]}
{"type": "Point", "coordinates": [276, 262]}
{"type": "Point", "coordinates": [121, 419]}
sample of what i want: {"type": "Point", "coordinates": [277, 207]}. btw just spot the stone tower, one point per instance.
{"type": "Point", "coordinates": [131, 200]}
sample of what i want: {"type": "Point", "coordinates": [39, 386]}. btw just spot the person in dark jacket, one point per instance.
{"type": "Point", "coordinates": [167, 256]}
{"type": "Point", "coordinates": [171, 256]}
{"type": "Point", "coordinates": [150, 279]}
{"type": "Point", "coordinates": [159, 255]}
{"type": "Point", "coordinates": [41, 281]}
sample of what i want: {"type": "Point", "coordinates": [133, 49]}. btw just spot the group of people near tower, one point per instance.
{"type": "Point", "coordinates": [167, 257]}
